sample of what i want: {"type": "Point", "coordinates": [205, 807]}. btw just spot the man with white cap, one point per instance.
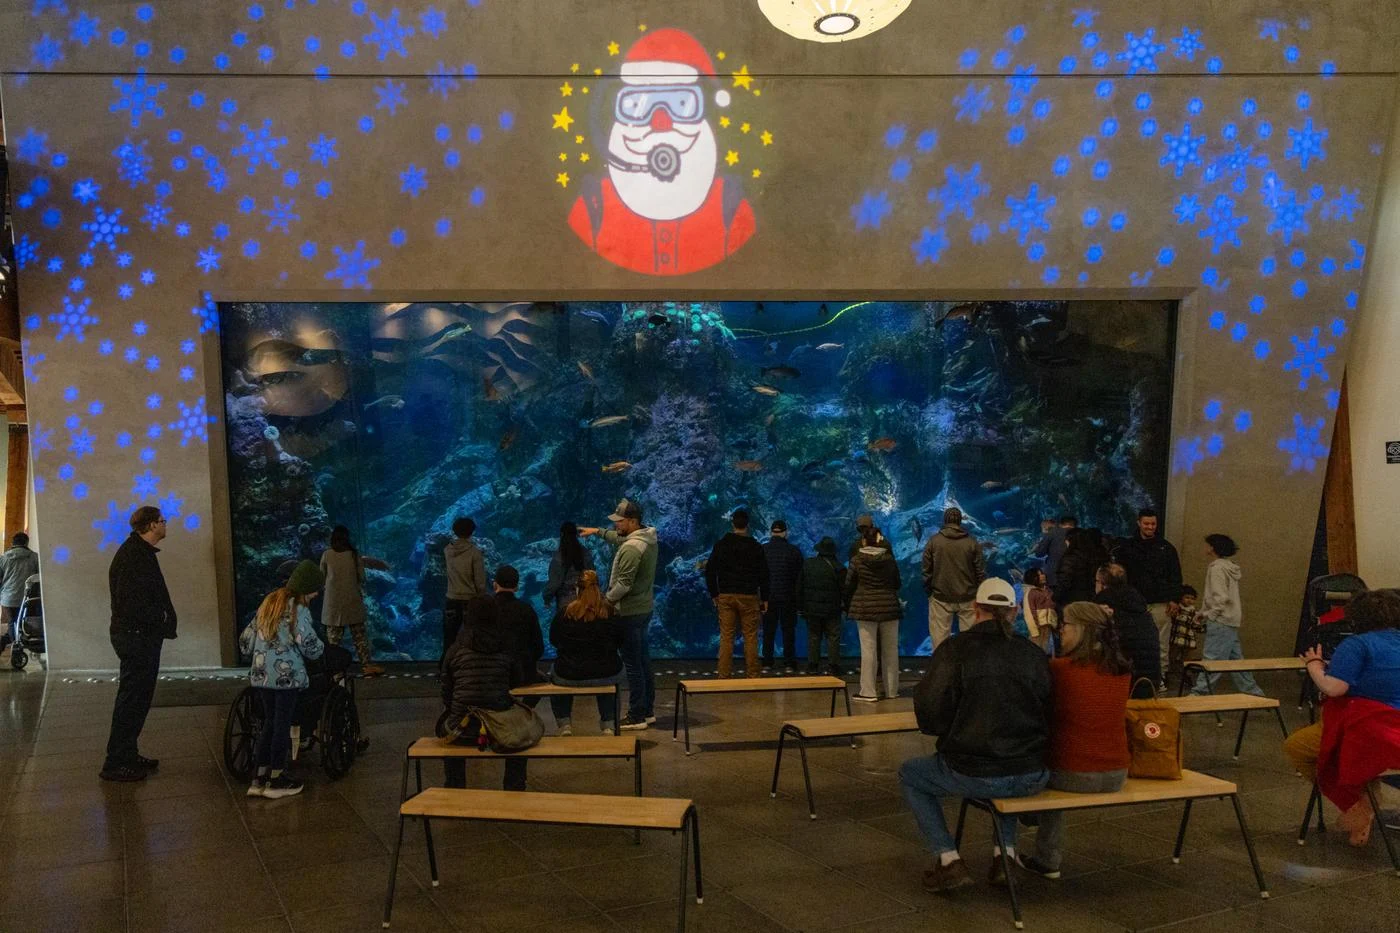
{"type": "Point", "coordinates": [987, 697]}
{"type": "Point", "coordinates": [629, 592]}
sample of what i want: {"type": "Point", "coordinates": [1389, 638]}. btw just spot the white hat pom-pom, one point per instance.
{"type": "Point", "coordinates": [722, 98]}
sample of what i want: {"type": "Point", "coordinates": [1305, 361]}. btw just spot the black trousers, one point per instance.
{"type": "Point", "coordinates": [139, 653]}
{"type": "Point", "coordinates": [454, 612]}
{"type": "Point", "coordinates": [786, 616]}
{"type": "Point", "coordinates": [819, 629]}
{"type": "Point", "coordinates": [456, 769]}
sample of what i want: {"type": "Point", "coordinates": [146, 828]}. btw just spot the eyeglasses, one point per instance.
{"type": "Point", "coordinates": [159, 521]}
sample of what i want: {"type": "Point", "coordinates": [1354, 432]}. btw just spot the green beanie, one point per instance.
{"type": "Point", "coordinates": [306, 579]}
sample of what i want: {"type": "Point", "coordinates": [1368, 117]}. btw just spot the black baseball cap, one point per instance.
{"type": "Point", "coordinates": [626, 509]}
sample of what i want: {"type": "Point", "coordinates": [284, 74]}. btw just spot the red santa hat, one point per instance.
{"type": "Point", "coordinates": [669, 56]}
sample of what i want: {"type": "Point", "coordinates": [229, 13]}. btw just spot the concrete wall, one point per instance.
{"type": "Point", "coordinates": [1226, 155]}
{"type": "Point", "coordinates": [1373, 394]}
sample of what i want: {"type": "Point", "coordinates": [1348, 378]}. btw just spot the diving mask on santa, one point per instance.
{"type": "Point", "coordinates": [636, 106]}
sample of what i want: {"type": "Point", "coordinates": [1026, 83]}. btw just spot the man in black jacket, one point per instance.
{"type": "Point", "coordinates": [1154, 570]}
{"type": "Point", "coordinates": [820, 597]}
{"type": "Point", "coordinates": [1137, 632]}
{"type": "Point", "coordinates": [784, 567]}
{"type": "Point", "coordinates": [986, 696]}
{"type": "Point", "coordinates": [520, 624]}
{"type": "Point", "coordinates": [737, 578]}
{"type": "Point", "coordinates": [142, 618]}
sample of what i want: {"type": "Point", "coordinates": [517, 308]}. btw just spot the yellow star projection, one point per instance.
{"type": "Point", "coordinates": [744, 142]}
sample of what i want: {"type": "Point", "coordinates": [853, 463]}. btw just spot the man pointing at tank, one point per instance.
{"type": "Point", "coordinates": [629, 592]}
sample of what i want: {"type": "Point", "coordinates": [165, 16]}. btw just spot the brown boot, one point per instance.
{"type": "Point", "coordinates": [944, 878]}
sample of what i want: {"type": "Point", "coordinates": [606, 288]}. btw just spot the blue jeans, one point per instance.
{"type": "Point", "coordinates": [927, 780]}
{"type": "Point", "coordinates": [1223, 644]}
{"type": "Point", "coordinates": [636, 657]}
{"type": "Point", "coordinates": [563, 706]}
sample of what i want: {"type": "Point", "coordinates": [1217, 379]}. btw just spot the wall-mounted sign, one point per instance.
{"type": "Point", "coordinates": [1392, 451]}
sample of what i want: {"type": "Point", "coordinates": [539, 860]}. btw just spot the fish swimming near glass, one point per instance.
{"type": "Point", "coordinates": [762, 389]}
{"type": "Point", "coordinates": [620, 466]}
{"type": "Point", "coordinates": [608, 421]}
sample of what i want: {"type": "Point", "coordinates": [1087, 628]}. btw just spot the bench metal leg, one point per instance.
{"type": "Point", "coordinates": [778, 762]}
{"type": "Point", "coordinates": [685, 701]}
{"type": "Point", "coordinates": [1181, 833]}
{"type": "Point", "coordinates": [1239, 739]}
{"type": "Point", "coordinates": [1314, 800]}
{"type": "Point", "coordinates": [403, 783]}
{"type": "Point", "coordinates": [962, 819]}
{"type": "Point", "coordinates": [393, 870]}
{"type": "Point", "coordinates": [695, 842]}
{"type": "Point", "coordinates": [617, 708]}
{"type": "Point", "coordinates": [1283, 726]}
{"type": "Point", "coordinates": [1386, 834]}
{"type": "Point", "coordinates": [833, 704]}
{"type": "Point", "coordinates": [637, 775]}
{"type": "Point", "coordinates": [418, 769]}
{"type": "Point", "coordinates": [432, 853]}
{"type": "Point", "coordinates": [1007, 865]}
{"type": "Point", "coordinates": [685, 873]}
{"type": "Point", "coordinates": [846, 692]}
{"type": "Point", "coordinates": [807, 778]}
{"type": "Point", "coordinates": [1249, 846]}
{"type": "Point", "coordinates": [675, 723]}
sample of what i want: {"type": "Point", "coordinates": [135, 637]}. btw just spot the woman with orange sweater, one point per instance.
{"type": "Point", "coordinates": [1088, 742]}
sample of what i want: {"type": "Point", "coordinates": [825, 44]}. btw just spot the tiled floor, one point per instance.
{"type": "Point", "coordinates": [187, 851]}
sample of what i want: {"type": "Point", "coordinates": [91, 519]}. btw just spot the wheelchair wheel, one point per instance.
{"type": "Point", "coordinates": [339, 733]}
{"type": "Point", "coordinates": [19, 658]}
{"type": "Point", "coordinates": [245, 721]}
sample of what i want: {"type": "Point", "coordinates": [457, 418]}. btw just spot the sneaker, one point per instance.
{"type": "Point", "coordinates": [150, 764]}
{"type": "Point", "coordinates": [126, 774]}
{"type": "Point", "coordinates": [629, 724]}
{"type": "Point", "coordinates": [996, 875]}
{"type": "Point", "coordinates": [767, 664]}
{"type": "Point", "coordinates": [944, 878]}
{"type": "Point", "coordinates": [282, 786]}
{"type": "Point", "coordinates": [565, 730]}
{"type": "Point", "coordinates": [651, 720]}
{"type": "Point", "coordinates": [1036, 867]}
{"type": "Point", "coordinates": [257, 789]}
{"type": "Point", "coordinates": [606, 727]}
{"type": "Point", "coordinates": [862, 698]}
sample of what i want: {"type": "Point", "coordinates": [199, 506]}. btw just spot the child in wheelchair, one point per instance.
{"type": "Point", "coordinates": [281, 640]}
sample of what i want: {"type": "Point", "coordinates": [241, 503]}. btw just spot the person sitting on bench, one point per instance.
{"type": "Point", "coordinates": [480, 671]}
{"type": "Point", "coordinates": [986, 696]}
{"type": "Point", "coordinates": [587, 643]}
{"type": "Point", "coordinates": [1088, 746]}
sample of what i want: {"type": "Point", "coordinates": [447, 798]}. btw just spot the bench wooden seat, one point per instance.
{"type": "Point", "coordinates": [804, 730]}
{"type": "Point", "coordinates": [1218, 703]}
{"type": "Point", "coordinates": [1248, 664]}
{"type": "Point", "coordinates": [557, 690]}
{"type": "Point", "coordinates": [498, 806]}
{"type": "Point", "coordinates": [1193, 786]}
{"type": "Point", "coordinates": [684, 688]}
{"type": "Point", "coordinates": [550, 746]}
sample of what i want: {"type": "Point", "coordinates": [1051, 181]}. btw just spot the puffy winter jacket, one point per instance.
{"type": "Point", "coordinates": [737, 564]}
{"type": "Point", "coordinates": [1137, 633]}
{"type": "Point", "coordinates": [1154, 569]}
{"type": "Point", "coordinates": [953, 565]}
{"type": "Point", "coordinates": [586, 650]}
{"type": "Point", "coordinates": [819, 588]}
{"type": "Point", "coordinates": [988, 699]}
{"type": "Point", "coordinates": [784, 567]}
{"type": "Point", "coordinates": [478, 671]}
{"type": "Point", "coordinates": [872, 586]}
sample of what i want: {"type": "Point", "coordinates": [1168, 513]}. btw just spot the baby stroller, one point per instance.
{"type": "Point", "coordinates": [28, 626]}
{"type": "Point", "coordinates": [326, 717]}
{"type": "Point", "coordinates": [1326, 595]}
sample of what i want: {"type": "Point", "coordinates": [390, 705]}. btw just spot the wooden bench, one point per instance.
{"type": "Point", "coordinates": [501, 806]}
{"type": "Point", "coordinates": [1250, 665]}
{"type": "Point", "coordinates": [1227, 703]}
{"type": "Point", "coordinates": [556, 690]}
{"type": "Point", "coordinates": [1315, 800]}
{"type": "Point", "coordinates": [684, 688]}
{"type": "Point", "coordinates": [1193, 786]}
{"type": "Point", "coordinates": [551, 746]}
{"type": "Point", "coordinates": [804, 730]}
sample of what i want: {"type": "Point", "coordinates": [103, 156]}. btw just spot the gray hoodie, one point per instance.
{"type": "Point", "coordinates": [633, 571]}
{"type": "Point", "coordinates": [1221, 600]}
{"type": "Point", "coordinates": [466, 569]}
{"type": "Point", "coordinates": [953, 565]}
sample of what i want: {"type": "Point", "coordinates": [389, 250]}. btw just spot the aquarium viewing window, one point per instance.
{"type": "Point", "coordinates": [394, 419]}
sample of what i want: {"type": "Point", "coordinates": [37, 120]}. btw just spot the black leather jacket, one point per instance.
{"type": "Point", "coordinates": [987, 698]}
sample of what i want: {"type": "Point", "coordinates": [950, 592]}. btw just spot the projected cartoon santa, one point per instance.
{"type": "Point", "coordinates": [662, 208]}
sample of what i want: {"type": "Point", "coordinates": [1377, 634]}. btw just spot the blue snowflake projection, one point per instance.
{"type": "Point", "coordinates": [1186, 45]}
{"type": "Point", "coordinates": [1305, 145]}
{"type": "Point", "coordinates": [413, 181]}
{"type": "Point", "coordinates": [1028, 214]}
{"type": "Point", "coordinates": [1182, 149]}
{"type": "Point", "coordinates": [155, 215]}
{"type": "Point", "coordinates": [115, 527]}
{"type": "Point", "coordinates": [1187, 208]}
{"type": "Point", "coordinates": [46, 52]}
{"type": "Point", "coordinates": [104, 228]}
{"type": "Point", "coordinates": [80, 443]}
{"type": "Point", "coordinates": [1224, 224]}
{"type": "Point", "coordinates": [352, 266]}
{"type": "Point", "coordinates": [1141, 52]}
{"type": "Point", "coordinates": [443, 80]}
{"type": "Point", "coordinates": [1234, 167]}
{"type": "Point", "coordinates": [871, 210]}
{"type": "Point", "coordinates": [388, 34]}
{"type": "Point", "coordinates": [1188, 452]}
{"type": "Point", "coordinates": [193, 423]}
{"type": "Point", "coordinates": [1290, 217]}
{"type": "Point", "coordinates": [86, 190]}
{"type": "Point", "coordinates": [208, 260]}
{"type": "Point", "coordinates": [171, 505]}
{"type": "Point", "coordinates": [144, 485]}
{"type": "Point", "coordinates": [133, 164]}
{"type": "Point", "coordinates": [959, 192]}
{"type": "Point", "coordinates": [323, 149]}
{"type": "Point", "coordinates": [930, 245]}
{"type": "Point", "coordinates": [74, 320]}
{"type": "Point", "coordinates": [973, 102]}
{"type": "Point", "coordinates": [26, 251]}
{"type": "Point", "coordinates": [31, 146]}
{"type": "Point", "coordinates": [1310, 358]}
{"type": "Point", "coordinates": [1345, 206]}
{"type": "Point", "coordinates": [1304, 446]}
{"type": "Point", "coordinates": [83, 29]}
{"type": "Point", "coordinates": [138, 97]}
{"type": "Point", "coordinates": [259, 146]}
{"type": "Point", "coordinates": [281, 216]}
{"type": "Point", "coordinates": [390, 96]}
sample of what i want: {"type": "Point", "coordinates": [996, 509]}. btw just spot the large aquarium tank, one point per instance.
{"type": "Point", "coordinates": [394, 419]}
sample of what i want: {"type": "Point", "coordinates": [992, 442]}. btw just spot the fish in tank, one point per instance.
{"type": "Point", "coordinates": [395, 418]}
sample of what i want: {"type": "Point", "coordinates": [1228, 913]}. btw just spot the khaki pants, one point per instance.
{"type": "Point", "coordinates": [1164, 634]}
{"type": "Point", "coordinates": [940, 620]}
{"type": "Point", "coordinates": [738, 612]}
{"type": "Point", "coordinates": [1302, 747]}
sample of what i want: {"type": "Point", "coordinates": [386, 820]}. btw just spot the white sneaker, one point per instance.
{"type": "Point", "coordinates": [651, 720]}
{"type": "Point", "coordinates": [257, 789]}
{"type": "Point", "coordinates": [565, 730]}
{"type": "Point", "coordinates": [861, 698]}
